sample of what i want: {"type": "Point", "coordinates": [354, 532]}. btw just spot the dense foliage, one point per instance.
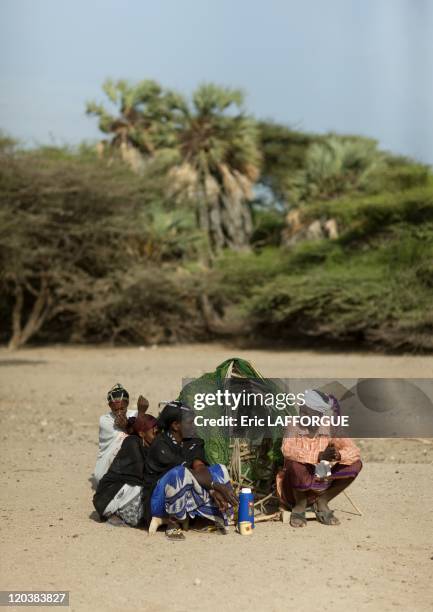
{"type": "Point", "coordinates": [206, 231]}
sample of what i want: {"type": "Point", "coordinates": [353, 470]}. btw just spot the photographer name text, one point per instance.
{"type": "Point", "coordinates": [273, 421]}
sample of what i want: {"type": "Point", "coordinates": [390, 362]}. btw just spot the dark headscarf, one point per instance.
{"type": "Point", "coordinates": [173, 411]}
{"type": "Point", "coordinates": [142, 422]}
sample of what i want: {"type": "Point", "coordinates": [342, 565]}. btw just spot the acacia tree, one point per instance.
{"type": "Point", "coordinates": [210, 146]}
{"type": "Point", "coordinates": [63, 225]}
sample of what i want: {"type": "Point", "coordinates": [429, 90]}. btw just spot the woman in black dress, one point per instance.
{"type": "Point", "coordinates": [178, 482]}
{"type": "Point", "coordinates": [119, 496]}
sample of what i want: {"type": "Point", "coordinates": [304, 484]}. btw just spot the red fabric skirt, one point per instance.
{"type": "Point", "coordinates": [300, 476]}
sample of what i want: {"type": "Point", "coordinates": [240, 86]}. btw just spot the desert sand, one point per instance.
{"type": "Point", "coordinates": [51, 399]}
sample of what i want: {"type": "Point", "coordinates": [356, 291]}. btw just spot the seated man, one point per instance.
{"type": "Point", "coordinates": [112, 428]}
{"type": "Point", "coordinates": [303, 448]}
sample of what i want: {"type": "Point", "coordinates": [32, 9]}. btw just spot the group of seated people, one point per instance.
{"type": "Point", "coordinates": [154, 470]}
{"type": "Point", "coordinates": [151, 471]}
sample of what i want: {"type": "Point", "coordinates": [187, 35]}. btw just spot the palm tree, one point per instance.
{"type": "Point", "coordinates": [218, 161]}
{"type": "Point", "coordinates": [212, 150]}
{"type": "Point", "coordinates": [337, 165]}
{"type": "Point", "coordinates": [145, 123]}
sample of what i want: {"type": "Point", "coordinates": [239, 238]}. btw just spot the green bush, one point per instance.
{"type": "Point", "coordinates": [268, 225]}
{"type": "Point", "coordinates": [361, 217]}
{"type": "Point", "coordinates": [146, 306]}
{"type": "Point", "coordinates": [378, 295]}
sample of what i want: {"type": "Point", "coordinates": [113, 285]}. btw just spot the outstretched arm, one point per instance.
{"type": "Point", "coordinates": [221, 493]}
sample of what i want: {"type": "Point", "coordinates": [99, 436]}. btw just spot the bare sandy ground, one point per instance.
{"type": "Point", "coordinates": [50, 402]}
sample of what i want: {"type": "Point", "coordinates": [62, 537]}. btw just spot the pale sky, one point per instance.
{"type": "Point", "coordinates": [351, 66]}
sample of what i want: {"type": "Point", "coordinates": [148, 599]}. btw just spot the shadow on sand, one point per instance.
{"type": "Point", "coordinates": [14, 362]}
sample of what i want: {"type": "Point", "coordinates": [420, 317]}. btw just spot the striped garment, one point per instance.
{"type": "Point", "coordinates": [179, 494]}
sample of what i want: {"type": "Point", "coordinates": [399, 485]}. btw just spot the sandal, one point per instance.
{"type": "Point", "coordinates": [326, 517]}
{"type": "Point", "coordinates": [175, 534]}
{"type": "Point", "coordinates": [300, 516]}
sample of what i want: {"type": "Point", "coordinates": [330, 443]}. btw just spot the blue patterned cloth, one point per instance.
{"type": "Point", "coordinates": [179, 494]}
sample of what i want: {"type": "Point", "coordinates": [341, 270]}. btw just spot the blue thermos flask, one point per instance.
{"type": "Point", "coordinates": [246, 512]}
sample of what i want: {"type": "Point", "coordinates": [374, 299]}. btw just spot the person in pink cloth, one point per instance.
{"type": "Point", "coordinates": [303, 449]}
